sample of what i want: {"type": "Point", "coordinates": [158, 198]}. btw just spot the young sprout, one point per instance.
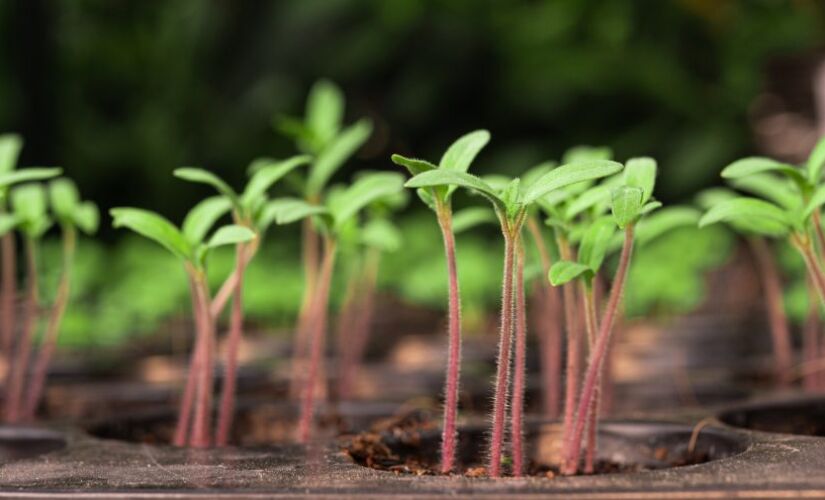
{"type": "Point", "coordinates": [332, 217]}
{"type": "Point", "coordinates": [322, 135]}
{"type": "Point", "coordinates": [10, 146]}
{"type": "Point", "coordinates": [457, 158]}
{"type": "Point", "coordinates": [248, 210]}
{"type": "Point", "coordinates": [189, 244]}
{"type": "Point", "coordinates": [71, 214]}
{"type": "Point", "coordinates": [629, 202]}
{"type": "Point", "coordinates": [511, 205]}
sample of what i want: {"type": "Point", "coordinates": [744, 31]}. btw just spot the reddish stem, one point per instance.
{"type": "Point", "coordinates": [187, 399]}
{"type": "Point", "coordinates": [573, 342]}
{"type": "Point", "coordinates": [772, 289]}
{"type": "Point", "coordinates": [311, 255]}
{"type": "Point", "coordinates": [344, 332]}
{"type": "Point", "coordinates": [20, 363]}
{"type": "Point", "coordinates": [227, 406]}
{"type": "Point", "coordinates": [573, 440]}
{"type": "Point", "coordinates": [49, 344]}
{"type": "Point", "coordinates": [589, 303]}
{"type": "Point", "coordinates": [201, 435]}
{"type": "Point", "coordinates": [503, 363]}
{"type": "Point", "coordinates": [317, 334]}
{"type": "Point", "coordinates": [8, 291]}
{"type": "Point", "coordinates": [810, 341]}
{"type": "Point", "coordinates": [517, 416]}
{"type": "Point", "coordinates": [811, 264]}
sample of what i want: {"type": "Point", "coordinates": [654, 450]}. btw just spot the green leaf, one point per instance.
{"type": "Point", "coordinates": [564, 271]}
{"type": "Point", "coordinates": [471, 217]}
{"type": "Point", "coordinates": [338, 151]}
{"type": "Point", "coordinates": [756, 165]}
{"type": "Point", "coordinates": [414, 166]}
{"type": "Point", "coordinates": [64, 198]}
{"type": "Point", "coordinates": [641, 173]}
{"type": "Point", "coordinates": [659, 223]}
{"type": "Point", "coordinates": [773, 188]}
{"type": "Point", "coordinates": [325, 110]}
{"type": "Point", "coordinates": [154, 227]}
{"type": "Point", "coordinates": [626, 205]}
{"type": "Point", "coordinates": [816, 161]}
{"type": "Point", "coordinates": [587, 200]}
{"type": "Point", "coordinates": [713, 196]}
{"type": "Point", "coordinates": [534, 173]}
{"type": "Point", "coordinates": [202, 217]}
{"type": "Point", "coordinates": [8, 222]}
{"type": "Point", "coordinates": [816, 201]}
{"type": "Point", "coordinates": [566, 175]}
{"type": "Point", "coordinates": [28, 174]}
{"type": "Point", "coordinates": [29, 202]}
{"type": "Point", "coordinates": [289, 210]}
{"type": "Point", "coordinates": [440, 177]}
{"type": "Point", "coordinates": [268, 174]}
{"type": "Point", "coordinates": [595, 242]}
{"type": "Point", "coordinates": [202, 176]}
{"type": "Point", "coordinates": [587, 153]}
{"type": "Point", "coordinates": [650, 207]}
{"type": "Point", "coordinates": [363, 192]}
{"type": "Point", "coordinates": [751, 214]}
{"type": "Point", "coordinates": [463, 151]}
{"type": "Point", "coordinates": [231, 234]}
{"type": "Point", "coordinates": [381, 234]}
{"type": "Point", "coordinates": [87, 217]}
{"type": "Point", "coordinates": [296, 129]}
{"type": "Point", "coordinates": [10, 146]}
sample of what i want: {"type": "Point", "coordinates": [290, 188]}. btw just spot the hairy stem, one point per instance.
{"type": "Point", "coordinates": [8, 292]}
{"type": "Point", "coordinates": [503, 363]}
{"type": "Point", "coordinates": [571, 323]}
{"type": "Point", "coordinates": [591, 322]}
{"type": "Point", "coordinates": [573, 439]}
{"type": "Point", "coordinates": [227, 406]}
{"type": "Point", "coordinates": [184, 422]}
{"type": "Point", "coordinates": [49, 343]}
{"type": "Point", "coordinates": [20, 363]}
{"type": "Point", "coordinates": [311, 257]}
{"type": "Point", "coordinates": [317, 334]}
{"type": "Point", "coordinates": [201, 435]}
{"type": "Point", "coordinates": [520, 362]}
{"type": "Point", "coordinates": [772, 290]}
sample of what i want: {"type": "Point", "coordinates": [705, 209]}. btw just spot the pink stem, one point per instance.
{"type": "Point", "coordinates": [573, 440]}
{"type": "Point", "coordinates": [810, 349]}
{"type": "Point", "coordinates": [227, 405]}
{"type": "Point", "coordinates": [311, 255]}
{"type": "Point", "coordinates": [201, 435]}
{"type": "Point", "coordinates": [503, 364]}
{"type": "Point", "coordinates": [345, 333]}
{"type": "Point", "coordinates": [592, 327]}
{"type": "Point", "coordinates": [517, 416]}
{"type": "Point", "coordinates": [317, 334]}
{"type": "Point", "coordinates": [573, 342]}
{"type": "Point", "coordinates": [8, 291]}
{"type": "Point", "coordinates": [183, 427]}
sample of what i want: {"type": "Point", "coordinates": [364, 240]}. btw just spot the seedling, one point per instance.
{"type": "Point", "coordinates": [457, 158]}
{"type": "Point", "coordinates": [189, 244]}
{"type": "Point", "coordinates": [629, 202]}
{"type": "Point", "coordinates": [511, 205]}
{"type": "Point", "coordinates": [331, 217]}
{"type": "Point", "coordinates": [248, 210]}
{"type": "Point", "coordinates": [72, 215]}
{"type": "Point", "coordinates": [322, 135]}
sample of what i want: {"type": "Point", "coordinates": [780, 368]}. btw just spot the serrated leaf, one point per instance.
{"type": "Point", "coordinates": [10, 146]}
{"type": "Point", "coordinates": [64, 198]}
{"type": "Point", "coordinates": [595, 242]}
{"type": "Point", "coordinates": [566, 175]}
{"type": "Point", "coordinates": [381, 234]}
{"type": "Point", "coordinates": [626, 205]}
{"type": "Point", "coordinates": [758, 164]}
{"type": "Point", "coordinates": [469, 218]}
{"type": "Point", "coordinates": [641, 173]}
{"type": "Point", "coordinates": [231, 234]}
{"type": "Point", "coordinates": [816, 162]}
{"type": "Point", "coordinates": [363, 192]}
{"type": "Point", "coordinates": [199, 175]}
{"type": "Point", "coordinates": [87, 217]}
{"type": "Point", "coordinates": [325, 110]}
{"type": "Point", "coordinates": [446, 178]}
{"type": "Point", "coordinates": [266, 175]}
{"type": "Point", "coordinates": [200, 219]}
{"type": "Point", "coordinates": [587, 153]}
{"type": "Point", "coordinates": [413, 165]}
{"type": "Point", "coordinates": [463, 151]}
{"type": "Point", "coordinates": [289, 210]}
{"type": "Point", "coordinates": [28, 174]}
{"type": "Point", "coordinates": [751, 214]}
{"type": "Point", "coordinates": [773, 188]}
{"type": "Point", "coordinates": [154, 227]}
{"type": "Point", "coordinates": [336, 153]}
{"type": "Point", "coordinates": [564, 271]}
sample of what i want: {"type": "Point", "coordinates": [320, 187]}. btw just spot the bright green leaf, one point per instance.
{"type": "Point", "coordinates": [324, 111]}
{"type": "Point", "coordinates": [440, 177]}
{"type": "Point", "coordinates": [202, 217]}
{"type": "Point", "coordinates": [87, 217]}
{"type": "Point", "coordinates": [231, 234]}
{"type": "Point", "coordinates": [587, 200]}
{"type": "Point", "coordinates": [289, 210]}
{"type": "Point", "coordinates": [651, 227]}
{"type": "Point", "coordinates": [751, 213]}
{"type": "Point", "coordinates": [587, 153]}
{"type": "Point", "coordinates": [153, 227]}
{"type": "Point", "coordinates": [202, 176]}
{"type": "Point", "coordinates": [712, 196]}
{"type": "Point", "coordinates": [363, 192]}
{"type": "Point", "coordinates": [64, 198]}
{"type": "Point", "coordinates": [28, 174]}
{"type": "Point", "coordinates": [773, 188]}
{"type": "Point", "coordinates": [268, 174]}
{"type": "Point", "coordinates": [641, 173]}
{"type": "Point", "coordinates": [381, 234]}
{"type": "Point", "coordinates": [566, 175]}
{"type": "Point", "coordinates": [10, 146]}
{"type": "Point", "coordinates": [471, 217]}
{"type": "Point", "coordinates": [756, 165]}
{"type": "Point", "coordinates": [29, 202]}
{"type": "Point", "coordinates": [595, 242]}
{"type": "Point", "coordinates": [8, 222]}
{"type": "Point", "coordinates": [626, 205]}
{"type": "Point", "coordinates": [564, 271]}
{"type": "Point", "coordinates": [338, 151]}
{"type": "Point", "coordinates": [816, 201]}
{"type": "Point", "coordinates": [463, 151]}
{"type": "Point", "coordinates": [414, 165]}
{"type": "Point", "coordinates": [816, 161]}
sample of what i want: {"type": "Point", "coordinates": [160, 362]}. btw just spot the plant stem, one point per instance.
{"type": "Point", "coordinates": [803, 245]}
{"type": "Point", "coordinates": [517, 407]}
{"type": "Point", "coordinates": [810, 343]}
{"type": "Point", "coordinates": [344, 330]}
{"type": "Point", "coordinates": [574, 435]}
{"type": "Point", "coordinates": [201, 435]}
{"type": "Point", "coordinates": [49, 343]}
{"type": "Point", "coordinates": [772, 290]}
{"type": "Point", "coordinates": [227, 407]}
{"type": "Point", "coordinates": [187, 399]}
{"type": "Point", "coordinates": [591, 323]}
{"type": "Point", "coordinates": [311, 256]}
{"type": "Point", "coordinates": [8, 291]}
{"type": "Point", "coordinates": [451, 384]}
{"type": "Point", "coordinates": [226, 290]}
{"type": "Point", "coordinates": [571, 322]}
{"type": "Point", "coordinates": [503, 363]}
{"type": "Point", "coordinates": [20, 363]}
{"type": "Point", "coordinates": [317, 333]}
{"type": "Point", "coordinates": [816, 220]}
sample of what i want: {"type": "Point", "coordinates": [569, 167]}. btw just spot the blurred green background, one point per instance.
{"type": "Point", "coordinates": [120, 93]}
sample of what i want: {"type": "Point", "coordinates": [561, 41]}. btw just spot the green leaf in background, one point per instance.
{"type": "Point", "coordinates": [595, 243]}
{"type": "Point", "coordinates": [757, 165]}
{"type": "Point", "coordinates": [87, 217]}
{"type": "Point", "coordinates": [641, 173]}
{"type": "Point", "coordinates": [566, 175]}
{"type": "Point", "coordinates": [816, 161]}
{"type": "Point", "coordinates": [200, 219]}
{"type": "Point", "coordinates": [231, 234]}
{"type": "Point", "coordinates": [771, 187]}
{"type": "Point", "coordinates": [661, 222]}
{"type": "Point", "coordinates": [415, 166]}
{"type": "Point", "coordinates": [8, 222]}
{"type": "Point", "coordinates": [154, 227]}
{"type": "Point", "coordinates": [564, 271]}
{"type": "Point", "coordinates": [29, 202]}
{"type": "Point", "coordinates": [10, 146]}
{"type": "Point", "coordinates": [324, 111]}
{"type": "Point", "coordinates": [471, 217]}
{"type": "Point", "coordinates": [463, 151]}
{"type": "Point", "coordinates": [816, 201]}
{"type": "Point", "coordinates": [381, 234]}
{"type": "Point", "coordinates": [534, 173]}
{"type": "Point", "coordinates": [626, 205]}
{"type": "Point", "coordinates": [336, 153]}
{"type": "Point", "coordinates": [751, 214]}
{"type": "Point", "coordinates": [587, 153]}
{"type": "Point", "coordinates": [289, 210]}
{"type": "Point", "coordinates": [586, 201]}
{"type": "Point", "coordinates": [202, 176]}
{"type": "Point", "coordinates": [713, 196]}
{"type": "Point", "coordinates": [267, 174]}
{"type": "Point", "coordinates": [364, 191]}
{"type": "Point", "coordinates": [64, 198]}
{"type": "Point", "coordinates": [28, 174]}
